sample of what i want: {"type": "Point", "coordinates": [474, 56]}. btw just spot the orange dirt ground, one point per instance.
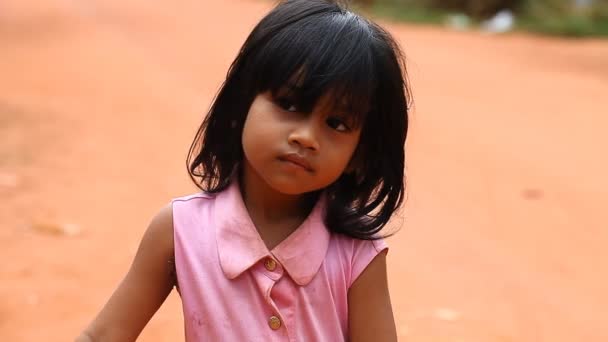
{"type": "Point", "coordinates": [505, 232]}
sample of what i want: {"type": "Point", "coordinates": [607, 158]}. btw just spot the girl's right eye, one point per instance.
{"type": "Point", "coordinates": [287, 105]}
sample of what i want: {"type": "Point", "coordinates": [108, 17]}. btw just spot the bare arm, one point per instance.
{"type": "Point", "coordinates": [142, 291]}
{"type": "Point", "coordinates": [370, 315]}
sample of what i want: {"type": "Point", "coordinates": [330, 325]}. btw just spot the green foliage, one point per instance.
{"type": "Point", "coordinates": [478, 9]}
{"type": "Point", "coordinates": [564, 18]}
{"type": "Point", "coordinates": [561, 17]}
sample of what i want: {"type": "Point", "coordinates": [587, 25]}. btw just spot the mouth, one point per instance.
{"type": "Point", "coordinates": [297, 160]}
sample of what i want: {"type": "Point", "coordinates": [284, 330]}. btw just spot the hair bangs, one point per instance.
{"type": "Point", "coordinates": [324, 57]}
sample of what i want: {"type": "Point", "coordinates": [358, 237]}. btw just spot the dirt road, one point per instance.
{"type": "Point", "coordinates": [505, 231]}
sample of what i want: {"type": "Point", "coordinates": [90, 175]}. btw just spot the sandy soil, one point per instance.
{"type": "Point", "coordinates": [505, 231]}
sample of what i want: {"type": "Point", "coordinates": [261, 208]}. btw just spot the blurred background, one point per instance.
{"type": "Point", "coordinates": [556, 17]}
{"type": "Point", "coordinates": [504, 233]}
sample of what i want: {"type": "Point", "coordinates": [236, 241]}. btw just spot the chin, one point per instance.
{"type": "Point", "coordinates": [292, 187]}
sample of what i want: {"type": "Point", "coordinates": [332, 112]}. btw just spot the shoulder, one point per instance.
{"type": "Point", "coordinates": [199, 196]}
{"type": "Point", "coordinates": [356, 254]}
{"type": "Point", "coordinates": [357, 247]}
{"type": "Point", "coordinates": [191, 202]}
{"type": "Point", "coordinates": [160, 229]}
{"type": "Point", "coordinates": [370, 312]}
{"type": "Point", "coordinates": [193, 218]}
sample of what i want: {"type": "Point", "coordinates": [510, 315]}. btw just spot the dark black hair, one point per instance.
{"type": "Point", "coordinates": [317, 47]}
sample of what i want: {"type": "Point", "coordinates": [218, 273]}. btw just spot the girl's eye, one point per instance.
{"type": "Point", "coordinates": [287, 105]}
{"type": "Point", "coordinates": [337, 124]}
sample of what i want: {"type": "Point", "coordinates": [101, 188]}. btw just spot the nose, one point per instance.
{"type": "Point", "coordinates": [304, 136]}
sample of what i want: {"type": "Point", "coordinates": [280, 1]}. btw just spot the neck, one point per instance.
{"type": "Point", "coordinates": [265, 204]}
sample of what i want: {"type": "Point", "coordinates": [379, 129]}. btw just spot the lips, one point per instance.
{"type": "Point", "coordinates": [297, 160]}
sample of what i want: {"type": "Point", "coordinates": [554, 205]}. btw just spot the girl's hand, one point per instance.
{"type": "Point", "coordinates": [370, 316]}
{"type": "Point", "coordinates": [142, 291]}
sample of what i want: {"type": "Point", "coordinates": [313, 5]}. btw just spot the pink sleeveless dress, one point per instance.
{"type": "Point", "coordinates": [234, 289]}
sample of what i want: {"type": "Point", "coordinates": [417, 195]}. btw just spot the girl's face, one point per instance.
{"type": "Point", "coordinates": [296, 152]}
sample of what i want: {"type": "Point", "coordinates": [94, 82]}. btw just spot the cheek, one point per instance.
{"type": "Point", "coordinates": [250, 138]}
{"type": "Point", "coordinates": [258, 135]}
{"type": "Point", "coordinates": [342, 153]}
{"type": "Point", "coordinates": [349, 146]}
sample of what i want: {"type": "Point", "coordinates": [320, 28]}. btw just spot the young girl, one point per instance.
{"type": "Point", "coordinates": [301, 161]}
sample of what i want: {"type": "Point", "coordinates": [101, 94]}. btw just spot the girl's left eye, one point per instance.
{"type": "Point", "coordinates": [337, 124]}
